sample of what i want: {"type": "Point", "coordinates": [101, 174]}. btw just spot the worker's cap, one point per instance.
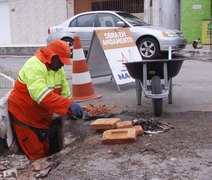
{"type": "Point", "coordinates": [61, 49]}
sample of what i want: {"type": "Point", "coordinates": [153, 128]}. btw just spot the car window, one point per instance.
{"type": "Point", "coordinates": [107, 20]}
{"type": "Point", "coordinates": [83, 21]}
{"type": "Point", "coordinates": [73, 23]}
{"type": "Point", "coordinates": [135, 21]}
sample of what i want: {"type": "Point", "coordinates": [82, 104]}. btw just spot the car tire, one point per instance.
{"type": "Point", "coordinates": [148, 48]}
{"type": "Point", "coordinates": [70, 43]}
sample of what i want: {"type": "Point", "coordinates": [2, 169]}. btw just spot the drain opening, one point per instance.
{"type": "Point", "coordinates": [3, 146]}
{"type": "Point", "coordinates": [55, 136]}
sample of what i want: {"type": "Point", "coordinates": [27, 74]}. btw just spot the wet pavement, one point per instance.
{"type": "Point", "coordinates": [183, 152]}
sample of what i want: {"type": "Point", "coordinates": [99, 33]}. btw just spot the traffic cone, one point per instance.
{"type": "Point", "coordinates": [82, 86]}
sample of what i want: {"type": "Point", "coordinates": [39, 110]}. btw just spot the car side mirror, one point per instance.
{"type": "Point", "coordinates": [120, 24]}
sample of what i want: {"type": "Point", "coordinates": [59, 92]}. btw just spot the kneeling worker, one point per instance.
{"type": "Point", "coordinates": [40, 90]}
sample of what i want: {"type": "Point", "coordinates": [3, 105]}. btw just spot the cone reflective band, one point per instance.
{"type": "Point", "coordinates": [82, 87]}
{"type": "Point", "coordinates": [81, 78]}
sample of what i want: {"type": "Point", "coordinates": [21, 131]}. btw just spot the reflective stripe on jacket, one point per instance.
{"type": "Point", "coordinates": [38, 92]}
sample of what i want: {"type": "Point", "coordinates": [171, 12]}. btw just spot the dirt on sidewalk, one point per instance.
{"type": "Point", "coordinates": [183, 152]}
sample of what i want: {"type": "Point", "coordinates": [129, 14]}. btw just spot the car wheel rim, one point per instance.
{"type": "Point", "coordinates": [147, 49]}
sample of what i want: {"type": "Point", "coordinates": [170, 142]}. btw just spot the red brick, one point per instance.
{"type": "Point", "coordinates": [124, 124]}
{"type": "Point", "coordinates": [118, 136]}
{"type": "Point", "coordinates": [105, 123]}
{"type": "Point", "coordinates": [139, 130]}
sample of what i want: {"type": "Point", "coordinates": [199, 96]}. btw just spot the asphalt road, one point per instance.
{"type": "Point", "coordinates": [192, 87]}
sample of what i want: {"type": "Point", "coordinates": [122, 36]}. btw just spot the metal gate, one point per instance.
{"type": "Point", "coordinates": [131, 6]}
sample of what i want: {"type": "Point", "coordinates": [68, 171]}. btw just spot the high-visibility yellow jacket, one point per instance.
{"type": "Point", "coordinates": [38, 93]}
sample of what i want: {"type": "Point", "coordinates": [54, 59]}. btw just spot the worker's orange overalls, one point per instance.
{"type": "Point", "coordinates": [37, 93]}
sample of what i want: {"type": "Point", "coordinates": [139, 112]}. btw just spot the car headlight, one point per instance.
{"type": "Point", "coordinates": [169, 34]}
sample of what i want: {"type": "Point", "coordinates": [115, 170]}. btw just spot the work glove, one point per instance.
{"type": "Point", "coordinates": [76, 110]}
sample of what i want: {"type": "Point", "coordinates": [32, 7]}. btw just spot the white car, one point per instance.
{"type": "Point", "coordinates": [150, 40]}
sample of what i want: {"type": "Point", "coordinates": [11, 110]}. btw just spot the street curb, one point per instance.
{"type": "Point", "coordinates": [19, 50]}
{"type": "Point", "coordinates": [197, 53]}
{"type": "Point", "coordinates": [30, 50]}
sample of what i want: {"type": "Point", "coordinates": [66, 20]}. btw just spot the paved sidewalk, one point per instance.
{"type": "Point", "coordinates": [189, 51]}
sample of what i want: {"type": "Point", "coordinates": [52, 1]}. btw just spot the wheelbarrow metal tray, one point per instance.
{"type": "Point", "coordinates": [154, 67]}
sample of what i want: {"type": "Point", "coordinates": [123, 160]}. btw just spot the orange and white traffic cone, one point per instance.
{"type": "Point", "coordinates": [82, 86]}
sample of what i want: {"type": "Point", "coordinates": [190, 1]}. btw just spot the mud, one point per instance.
{"type": "Point", "coordinates": [183, 152]}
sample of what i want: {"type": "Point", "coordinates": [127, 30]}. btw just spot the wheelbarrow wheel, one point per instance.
{"type": "Point", "coordinates": [157, 89]}
{"type": "Point", "coordinates": [138, 91]}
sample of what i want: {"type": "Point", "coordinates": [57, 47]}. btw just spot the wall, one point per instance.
{"type": "Point", "coordinates": [193, 12]}
{"type": "Point", "coordinates": [164, 13]}
{"type": "Point", "coordinates": [30, 19]}
{"type": "Point", "coordinates": [5, 33]}
{"type": "Point", "coordinates": [70, 8]}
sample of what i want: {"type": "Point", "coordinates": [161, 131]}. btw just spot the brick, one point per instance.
{"type": "Point", "coordinates": [139, 130]}
{"type": "Point", "coordinates": [118, 136]}
{"type": "Point", "coordinates": [105, 123]}
{"type": "Point", "coordinates": [124, 124]}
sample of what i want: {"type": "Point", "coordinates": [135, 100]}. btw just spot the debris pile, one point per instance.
{"type": "Point", "coordinates": [19, 167]}
{"type": "Point", "coordinates": [95, 110]}
{"type": "Point", "coordinates": [152, 126]}
{"type": "Point", "coordinates": [92, 111]}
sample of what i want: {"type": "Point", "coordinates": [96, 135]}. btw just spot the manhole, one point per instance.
{"type": "Point", "coordinates": [55, 136]}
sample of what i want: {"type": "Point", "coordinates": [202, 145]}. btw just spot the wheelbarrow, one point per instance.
{"type": "Point", "coordinates": [154, 79]}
